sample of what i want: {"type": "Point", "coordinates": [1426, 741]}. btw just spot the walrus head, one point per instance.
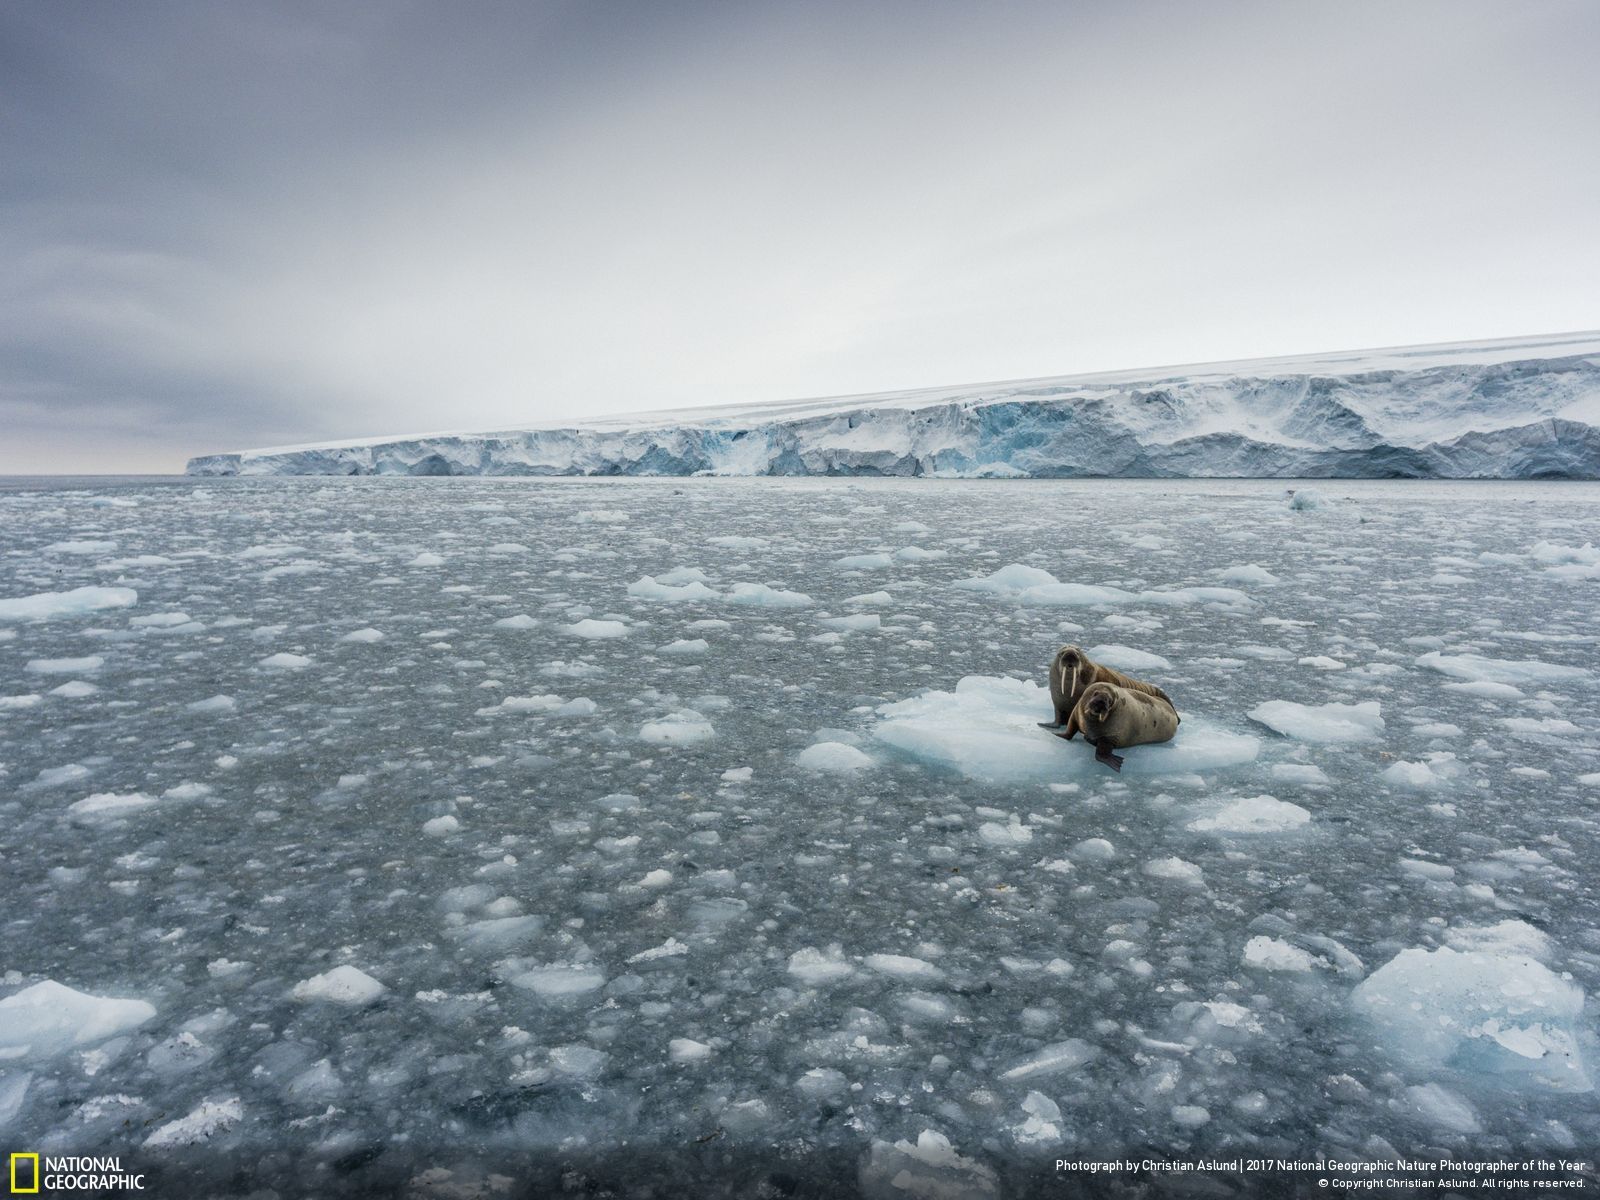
{"type": "Point", "coordinates": [1099, 700]}
{"type": "Point", "coordinates": [1069, 659]}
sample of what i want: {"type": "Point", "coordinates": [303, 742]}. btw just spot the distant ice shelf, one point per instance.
{"type": "Point", "coordinates": [1519, 408]}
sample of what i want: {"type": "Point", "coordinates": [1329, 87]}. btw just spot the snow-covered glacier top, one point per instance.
{"type": "Point", "coordinates": [1514, 408]}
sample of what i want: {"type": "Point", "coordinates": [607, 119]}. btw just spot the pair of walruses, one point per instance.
{"type": "Point", "coordinates": [1110, 709]}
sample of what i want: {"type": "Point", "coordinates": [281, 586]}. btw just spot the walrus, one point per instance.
{"type": "Point", "coordinates": [1111, 717]}
{"type": "Point", "coordinates": [1071, 673]}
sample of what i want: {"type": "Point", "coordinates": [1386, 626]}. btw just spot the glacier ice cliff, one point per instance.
{"type": "Point", "coordinates": [1526, 408]}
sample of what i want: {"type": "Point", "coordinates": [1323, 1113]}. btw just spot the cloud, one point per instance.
{"type": "Point", "coordinates": [290, 222]}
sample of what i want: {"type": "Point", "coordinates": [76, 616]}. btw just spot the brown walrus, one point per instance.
{"type": "Point", "coordinates": [1111, 717]}
{"type": "Point", "coordinates": [1071, 673]}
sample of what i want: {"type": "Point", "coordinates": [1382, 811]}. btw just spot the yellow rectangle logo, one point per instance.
{"type": "Point", "coordinates": [17, 1188]}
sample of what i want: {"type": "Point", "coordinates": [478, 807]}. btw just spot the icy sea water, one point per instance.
{"type": "Point", "coordinates": [437, 860]}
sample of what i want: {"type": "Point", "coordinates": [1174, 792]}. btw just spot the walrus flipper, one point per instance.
{"type": "Point", "coordinates": [1052, 726]}
{"type": "Point", "coordinates": [1105, 752]}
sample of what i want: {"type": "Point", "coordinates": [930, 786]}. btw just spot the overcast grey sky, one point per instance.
{"type": "Point", "coordinates": [227, 225]}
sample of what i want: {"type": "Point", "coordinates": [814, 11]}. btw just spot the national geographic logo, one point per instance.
{"type": "Point", "coordinates": [30, 1175]}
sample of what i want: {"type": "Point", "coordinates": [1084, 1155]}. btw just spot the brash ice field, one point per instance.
{"type": "Point", "coordinates": [359, 833]}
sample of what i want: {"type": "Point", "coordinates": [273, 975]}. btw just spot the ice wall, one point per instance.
{"type": "Point", "coordinates": [1444, 415]}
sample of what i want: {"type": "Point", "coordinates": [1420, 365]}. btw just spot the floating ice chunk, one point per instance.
{"type": "Point", "coordinates": [1504, 937]}
{"type": "Point", "coordinates": [1043, 1123]}
{"type": "Point", "coordinates": [1254, 814]}
{"type": "Point", "coordinates": [925, 1006]}
{"type": "Point", "coordinates": [1176, 869]}
{"type": "Point", "coordinates": [929, 1170]}
{"type": "Point", "coordinates": [833, 756]}
{"type": "Point", "coordinates": [1321, 723]}
{"type": "Point", "coordinates": [681, 575]}
{"type": "Point", "coordinates": [1190, 1116]}
{"type": "Point", "coordinates": [816, 967]}
{"type": "Point", "coordinates": [342, 985]}
{"type": "Point", "coordinates": [1540, 725]}
{"type": "Point", "coordinates": [688, 646]}
{"type": "Point", "coordinates": [1440, 1106]}
{"type": "Point", "coordinates": [987, 729]}
{"type": "Point", "coordinates": [560, 981]}
{"type": "Point", "coordinates": [1499, 670]}
{"type": "Point", "coordinates": [650, 588]}
{"type": "Point", "coordinates": [162, 620]}
{"type": "Point", "coordinates": [1054, 1059]}
{"type": "Point", "coordinates": [871, 598]}
{"type": "Point", "coordinates": [735, 542]}
{"type": "Point", "coordinates": [592, 629]}
{"type": "Point", "coordinates": [498, 933]}
{"type": "Point", "coordinates": [1247, 573]}
{"type": "Point", "coordinates": [1551, 553]}
{"type": "Point", "coordinates": [276, 550]}
{"type": "Point", "coordinates": [671, 948]}
{"type": "Point", "coordinates": [659, 878]}
{"type": "Point", "coordinates": [1274, 954]}
{"type": "Point", "coordinates": [1322, 662]}
{"type": "Point", "coordinates": [363, 636]}
{"type": "Point", "coordinates": [762, 596]}
{"type": "Point", "coordinates": [918, 554]}
{"type": "Point", "coordinates": [1010, 580]}
{"type": "Point", "coordinates": [1485, 690]}
{"type": "Point", "coordinates": [1424, 869]}
{"type": "Point", "coordinates": [687, 1050]}
{"type": "Point", "coordinates": [1304, 499]}
{"type": "Point", "coordinates": [441, 826]}
{"type": "Point", "coordinates": [902, 966]}
{"type": "Point", "coordinates": [13, 1092]}
{"type": "Point", "coordinates": [50, 1017]}
{"type": "Point", "coordinates": [1590, 780]}
{"type": "Point", "coordinates": [65, 666]}
{"type": "Point", "coordinates": [74, 690]}
{"type": "Point", "coordinates": [519, 622]}
{"type": "Point", "coordinates": [580, 706]}
{"type": "Point", "coordinates": [864, 562]}
{"type": "Point", "coordinates": [1502, 1014]}
{"type": "Point", "coordinates": [854, 623]}
{"type": "Point", "coordinates": [204, 1123]}
{"type": "Point", "coordinates": [1013, 833]}
{"type": "Point", "coordinates": [426, 559]}
{"type": "Point", "coordinates": [1437, 729]}
{"type": "Point", "coordinates": [286, 662]}
{"type": "Point", "coordinates": [188, 791]}
{"type": "Point", "coordinates": [1126, 658]}
{"type": "Point", "coordinates": [544, 702]}
{"type": "Point", "coordinates": [110, 804]}
{"type": "Point", "coordinates": [821, 1083]}
{"type": "Point", "coordinates": [1093, 850]}
{"type": "Point", "coordinates": [15, 703]}
{"type": "Point", "coordinates": [467, 896]}
{"type": "Point", "coordinates": [1433, 772]}
{"type": "Point", "coordinates": [1045, 595]}
{"type": "Point", "coordinates": [683, 728]}
{"type": "Point", "coordinates": [600, 516]}
{"type": "Point", "coordinates": [56, 776]}
{"type": "Point", "coordinates": [299, 567]}
{"type": "Point", "coordinates": [81, 547]}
